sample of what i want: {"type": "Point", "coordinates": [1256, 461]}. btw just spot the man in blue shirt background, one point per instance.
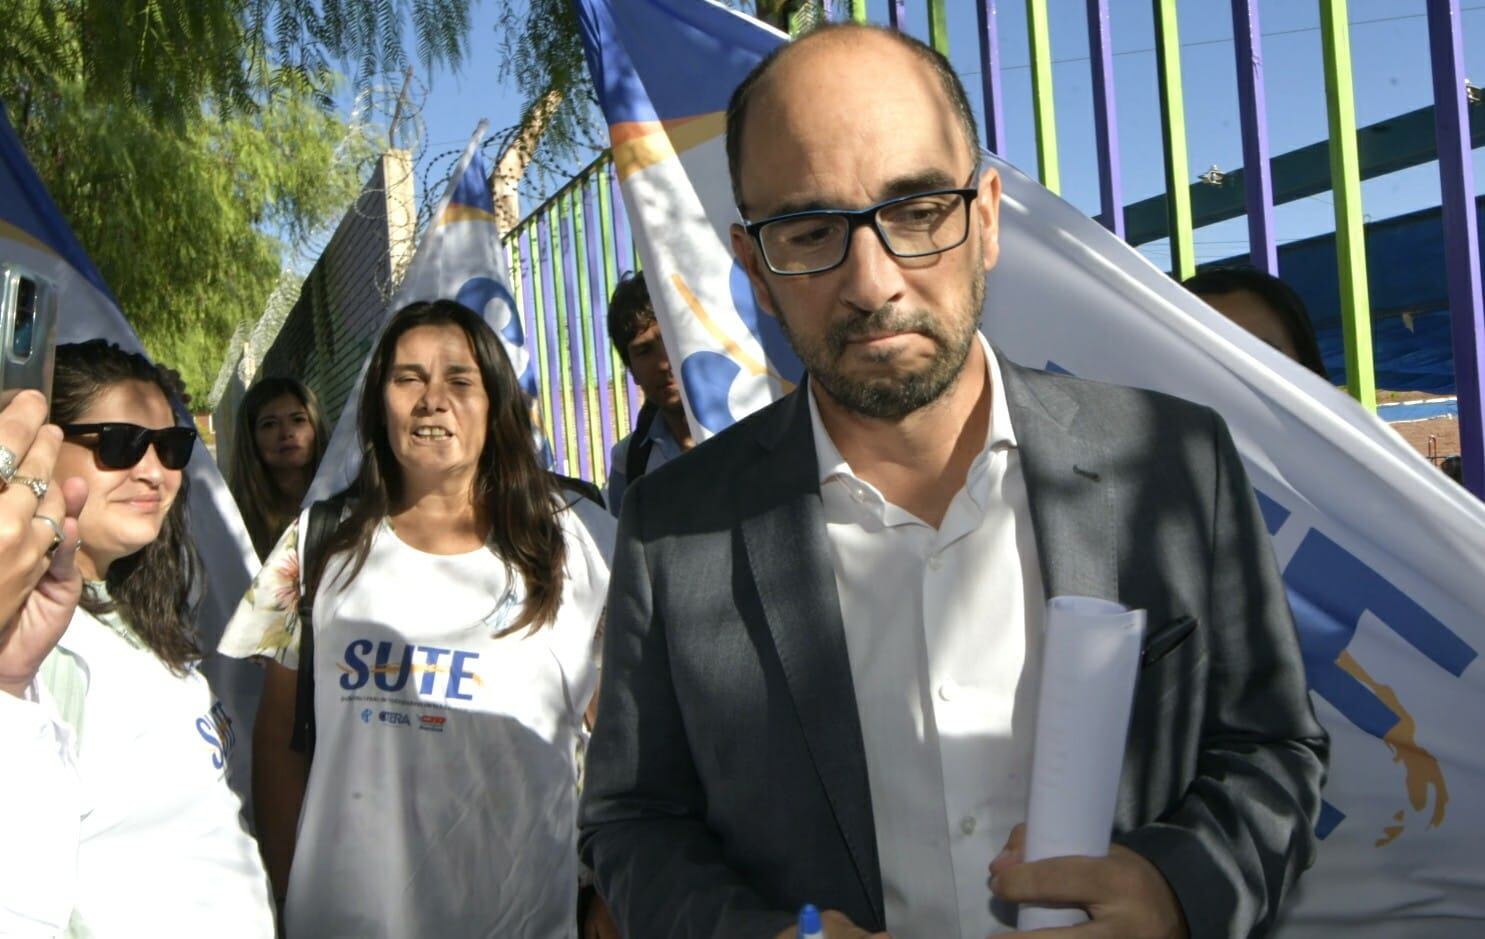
{"type": "Point", "coordinates": [661, 433]}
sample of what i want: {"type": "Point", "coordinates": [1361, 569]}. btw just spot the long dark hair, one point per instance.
{"type": "Point", "coordinates": [514, 495]}
{"type": "Point", "coordinates": [1277, 296]}
{"type": "Point", "coordinates": [266, 509]}
{"type": "Point", "coordinates": [155, 589]}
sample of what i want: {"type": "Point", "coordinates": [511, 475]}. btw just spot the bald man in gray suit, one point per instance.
{"type": "Point", "coordinates": [824, 624]}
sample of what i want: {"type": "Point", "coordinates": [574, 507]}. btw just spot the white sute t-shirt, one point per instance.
{"type": "Point", "coordinates": [161, 850]}
{"type": "Point", "coordinates": [441, 798]}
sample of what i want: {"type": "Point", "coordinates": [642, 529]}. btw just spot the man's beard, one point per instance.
{"type": "Point", "coordinates": [890, 397]}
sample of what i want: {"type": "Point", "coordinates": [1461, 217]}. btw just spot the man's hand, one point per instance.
{"type": "Point", "coordinates": [598, 922]}
{"type": "Point", "coordinates": [836, 926]}
{"type": "Point", "coordinates": [1124, 894]}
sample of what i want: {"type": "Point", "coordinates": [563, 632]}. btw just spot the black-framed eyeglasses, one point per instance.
{"type": "Point", "coordinates": [121, 446]}
{"type": "Point", "coordinates": [911, 226]}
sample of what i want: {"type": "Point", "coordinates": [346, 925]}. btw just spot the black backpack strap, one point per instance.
{"type": "Point", "coordinates": [580, 488]}
{"type": "Point", "coordinates": [637, 460]}
{"type": "Point", "coordinates": [324, 516]}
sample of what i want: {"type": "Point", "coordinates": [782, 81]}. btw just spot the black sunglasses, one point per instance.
{"type": "Point", "coordinates": [121, 446]}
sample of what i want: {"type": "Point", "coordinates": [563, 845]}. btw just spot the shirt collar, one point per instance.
{"type": "Point", "coordinates": [665, 442]}
{"type": "Point", "coordinates": [1000, 436]}
{"type": "Point", "coordinates": [660, 429]}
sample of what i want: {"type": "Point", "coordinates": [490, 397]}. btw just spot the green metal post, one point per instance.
{"type": "Point", "coordinates": [556, 221]}
{"type": "Point", "coordinates": [539, 326]}
{"type": "Point", "coordinates": [1173, 128]}
{"type": "Point", "coordinates": [858, 10]}
{"type": "Point", "coordinates": [1345, 175]}
{"type": "Point", "coordinates": [938, 27]}
{"type": "Point", "coordinates": [611, 271]}
{"type": "Point", "coordinates": [1041, 94]}
{"type": "Point", "coordinates": [590, 370]}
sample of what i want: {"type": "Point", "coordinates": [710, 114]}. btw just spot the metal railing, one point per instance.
{"type": "Point", "coordinates": [569, 250]}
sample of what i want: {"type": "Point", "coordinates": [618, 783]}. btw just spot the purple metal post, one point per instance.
{"type": "Point", "coordinates": [558, 430]}
{"type": "Point", "coordinates": [1461, 232]}
{"type": "Point", "coordinates": [1258, 178]}
{"type": "Point", "coordinates": [575, 351]}
{"type": "Point", "coordinates": [897, 13]}
{"type": "Point", "coordinates": [1105, 119]}
{"type": "Point", "coordinates": [597, 308]}
{"type": "Point", "coordinates": [990, 76]}
{"type": "Point", "coordinates": [623, 250]}
{"type": "Point", "coordinates": [527, 313]}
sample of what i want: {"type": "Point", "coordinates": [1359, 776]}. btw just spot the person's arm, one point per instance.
{"type": "Point", "coordinates": [43, 809]}
{"type": "Point", "coordinates": [41, 800]}
{"type": "Point", "coordinates": [642, 825]}
{"type": "Point", "coordinates": [39, 581]}
{"type": "Point", "coordinates": [618, 479]}
{"type": "Point", "coordinates": [265, 628]}
{"type": "Point", "coordinates": [280, 775]}
{"type": "Point", "coordinates": [1236, 843]}
{"type": "Point", "coordinates": [1221, 861]}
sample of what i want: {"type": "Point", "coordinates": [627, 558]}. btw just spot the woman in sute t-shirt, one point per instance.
{"type": "Point", "coordinates": [456, 606]}
{"type": "Point", "coordinates": [149, 841]}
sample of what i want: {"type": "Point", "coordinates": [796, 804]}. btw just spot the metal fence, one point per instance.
{"type": "Point", "coordinates": [565, 258]}
{"type": "Point", "coordinates": [570, 249]}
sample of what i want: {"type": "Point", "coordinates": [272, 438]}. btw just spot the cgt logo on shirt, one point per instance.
{"type": "Point", "coordinates": [215, 727]}
{"type": "Point", "coordinates": [388, 665]}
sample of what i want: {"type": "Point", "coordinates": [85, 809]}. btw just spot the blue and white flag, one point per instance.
{"type": "Point", "coordinates": [461, 257]}
{"type": "Point", "coordinates": [34, 235]}
{"type": "Point", "coordinates": [1383, 555]}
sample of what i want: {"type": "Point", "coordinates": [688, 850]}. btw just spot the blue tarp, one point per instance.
{"type": "Point", "coordinates": [1405, 271]}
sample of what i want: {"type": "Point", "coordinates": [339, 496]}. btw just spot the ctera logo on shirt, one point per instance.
{"type": "Point", "coordinates": [215, 727]}
{"type": "Point", "coordinates": [440, 671]}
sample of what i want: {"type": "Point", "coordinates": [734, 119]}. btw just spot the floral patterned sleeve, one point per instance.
{"type": "Point", "coordinates": [266, 622]}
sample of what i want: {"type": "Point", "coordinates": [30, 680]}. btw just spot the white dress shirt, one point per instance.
{"type": "Point", "coordinates": [943, 629]}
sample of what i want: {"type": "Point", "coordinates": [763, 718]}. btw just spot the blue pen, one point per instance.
{"type": "Point", "coordinates": [809, 923]}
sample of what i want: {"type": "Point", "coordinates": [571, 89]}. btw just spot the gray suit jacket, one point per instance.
{"type": "Point", "coordinates": [726, 781]}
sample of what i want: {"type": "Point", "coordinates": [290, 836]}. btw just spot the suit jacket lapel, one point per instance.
{"type": "Point", "coordinates": [784, 534]}
{"type": "Point", "coordinates": [1070, 484]}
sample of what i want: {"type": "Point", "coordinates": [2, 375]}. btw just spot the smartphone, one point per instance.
{"type": "Point", "coordinates": [28, 331]}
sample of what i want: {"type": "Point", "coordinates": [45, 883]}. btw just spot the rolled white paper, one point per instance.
{"type": "Point", "coordinates": [1089, 662]}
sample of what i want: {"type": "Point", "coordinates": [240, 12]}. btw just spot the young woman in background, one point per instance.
{"type": "Point", "coordinates": [279, 439]}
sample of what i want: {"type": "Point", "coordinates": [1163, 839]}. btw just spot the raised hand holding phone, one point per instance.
{"type": "Point", "coordinates": [39, 581]}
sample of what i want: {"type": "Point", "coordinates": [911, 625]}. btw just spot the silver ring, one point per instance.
{"type": "Point", "coordinates": [56, 531]}
{"type": "Point", "coordinates": [8, 466]}
{"type": "Point", "coordinates": [38, 487]}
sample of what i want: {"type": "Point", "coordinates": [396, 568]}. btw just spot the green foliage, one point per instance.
{"type": "Point", "coordinates": [163, 56]}
{"type": "Point", "coordinates": [183, 156]}
{"type": "Point", "coordinates": [364, 37]}
{"type": "Point", "coordinates": [167, 56]}
{"type": "Point", "coordinates": [176, 216]}
{"type": "Point", "coordinates": [543, 52]}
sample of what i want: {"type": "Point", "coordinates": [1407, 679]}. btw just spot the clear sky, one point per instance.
{"type": "Point", "coordinates": [1390, 60]}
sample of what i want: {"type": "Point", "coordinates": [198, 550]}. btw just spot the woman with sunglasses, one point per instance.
{"type": "Point", "coordinates": [160, 847]}
{"type": "Point", "coordinates": [454, 614]}
{"type": "Point", "coordinates": [280, 437]}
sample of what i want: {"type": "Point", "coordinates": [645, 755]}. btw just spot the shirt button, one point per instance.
{"type": "Point", "coordinates": [947, 690]}
{"type": "Point", "coordinates": [967, 824]}
{"type": "Point", "coordinates": [936, 561]}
